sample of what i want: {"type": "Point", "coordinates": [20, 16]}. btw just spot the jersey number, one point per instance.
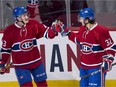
{"type": "Point", "coordinates": [4, 43]}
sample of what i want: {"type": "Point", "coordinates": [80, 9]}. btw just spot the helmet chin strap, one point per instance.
{"type": "Point", "coordinates": [86, 24]}
{"type": "Point", "coordinates": [21, 22]}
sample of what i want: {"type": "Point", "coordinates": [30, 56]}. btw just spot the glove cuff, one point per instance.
{"type": "Point", "coordinates": [108, 57]}
{"type": "Point", "coordinates": [63, 34]}
{"type": "Point", "coordinates": [2, 64]}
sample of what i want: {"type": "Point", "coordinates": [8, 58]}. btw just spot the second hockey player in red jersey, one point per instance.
{"type": "Point", "coordinates": [96, 45]}
{"type": "Point", "coordinates": [19, 40]}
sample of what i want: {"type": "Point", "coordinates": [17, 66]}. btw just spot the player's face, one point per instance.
{"type": "Point", "coordinates": [80, 19]}
{"type": "Point", "coordinates": [25, 17]}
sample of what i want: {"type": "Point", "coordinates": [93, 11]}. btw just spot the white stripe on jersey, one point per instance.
{"type": "Point", "coordinates": [91, 64]}
{"type": "Point", "coordinates": [21, 64]}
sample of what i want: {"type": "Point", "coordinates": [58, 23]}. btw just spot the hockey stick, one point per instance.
{"type": "Point", "coordinates": [95, 72]}
{"type": "Point", "coordinates": [9, 6]}
{"type": "Point", "coordinates": [6, 67]}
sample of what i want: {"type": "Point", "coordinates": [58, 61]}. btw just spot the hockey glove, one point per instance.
{"type": "Point", "coordinates": [55, 26]}
{"type": "Point", "coordinates": [107, 62]}
{"type": "Point", "coordinates": [32, 4]}
{"type": "Point", "coordinates": [60, 27]}
{"type": "Point", "coordinates": [2, 67]}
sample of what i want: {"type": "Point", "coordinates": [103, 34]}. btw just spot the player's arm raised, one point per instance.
{"type": "Point", "coordinates": [44, 31]}
{"type": "Point", "coordinates": [61, 28]}
{"type": "Point", "coordinates": [32, 5]}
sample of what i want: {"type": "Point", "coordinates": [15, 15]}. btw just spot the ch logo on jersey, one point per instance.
{"type": "Point", "coordinates": [86, 48]}
{"type": "Point", "coordinates": [26, 45]}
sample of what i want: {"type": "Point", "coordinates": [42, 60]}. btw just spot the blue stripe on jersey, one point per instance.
{"type": "Point", "coordinates": [17, 47]}
{"type": "Point", "coordinates": [5, 50]}
{"type": "Point", "coordinates": [97, 48]}
{"type": "Point", "coordinates": [92, 48]}
{"type": "Point", "coordinates": [114, 47]}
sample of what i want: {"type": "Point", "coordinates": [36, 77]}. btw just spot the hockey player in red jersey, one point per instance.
{"type": "Point", "coordinates": [19, 41]}
{"type": "Point", "coordinates": [96, 45]}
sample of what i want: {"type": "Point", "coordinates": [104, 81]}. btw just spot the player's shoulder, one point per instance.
{"type": "Point", "coordinates": [102, 28]}
{"type": "Point", "coordinates": [9, 28]}
{"type": "Point", "coordinates": [82, 28]}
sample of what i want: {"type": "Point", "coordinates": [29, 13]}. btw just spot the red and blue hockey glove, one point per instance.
{"type": "Point", "coordinates": [32, 4]}
{"type": "Point", "coordinates": [107, 62]}
{"type": "Point", "coordinates": [60, 27]}
{"type": "Point", "coordinates": [2, 67]}
{"type": "Point", "coordinates": [55, 26]}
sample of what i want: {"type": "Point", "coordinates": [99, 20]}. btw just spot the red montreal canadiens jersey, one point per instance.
{"type": "Point", "coordinates": [94, 43]}
{"type": "Point", "coordinates": [22, 44]}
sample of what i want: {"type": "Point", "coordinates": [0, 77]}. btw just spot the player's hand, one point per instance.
{"type": "Point", "coordinates": [2, 70]}
{"type": "Point", "coordinates": [107, 62]}
{"type": "Point", "coordinates": [60, 27]}
{"type": "Point", "coordinates": [2, 67]}
{"type": "Point", "coordinates": [55, 26]}
{"type": "Point", "coordinates": [32, 4]}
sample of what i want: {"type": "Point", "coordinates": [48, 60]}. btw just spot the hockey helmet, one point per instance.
{"type": "Point", "coordinates": [87, 13]}
{"type": "Point", "coordinates": [19, 11]}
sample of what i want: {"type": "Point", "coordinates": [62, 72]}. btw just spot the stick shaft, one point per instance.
{"type": "Point", "coordinates": [9, 6]}
{"type": "Point", "coordinates": [94, 72]}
